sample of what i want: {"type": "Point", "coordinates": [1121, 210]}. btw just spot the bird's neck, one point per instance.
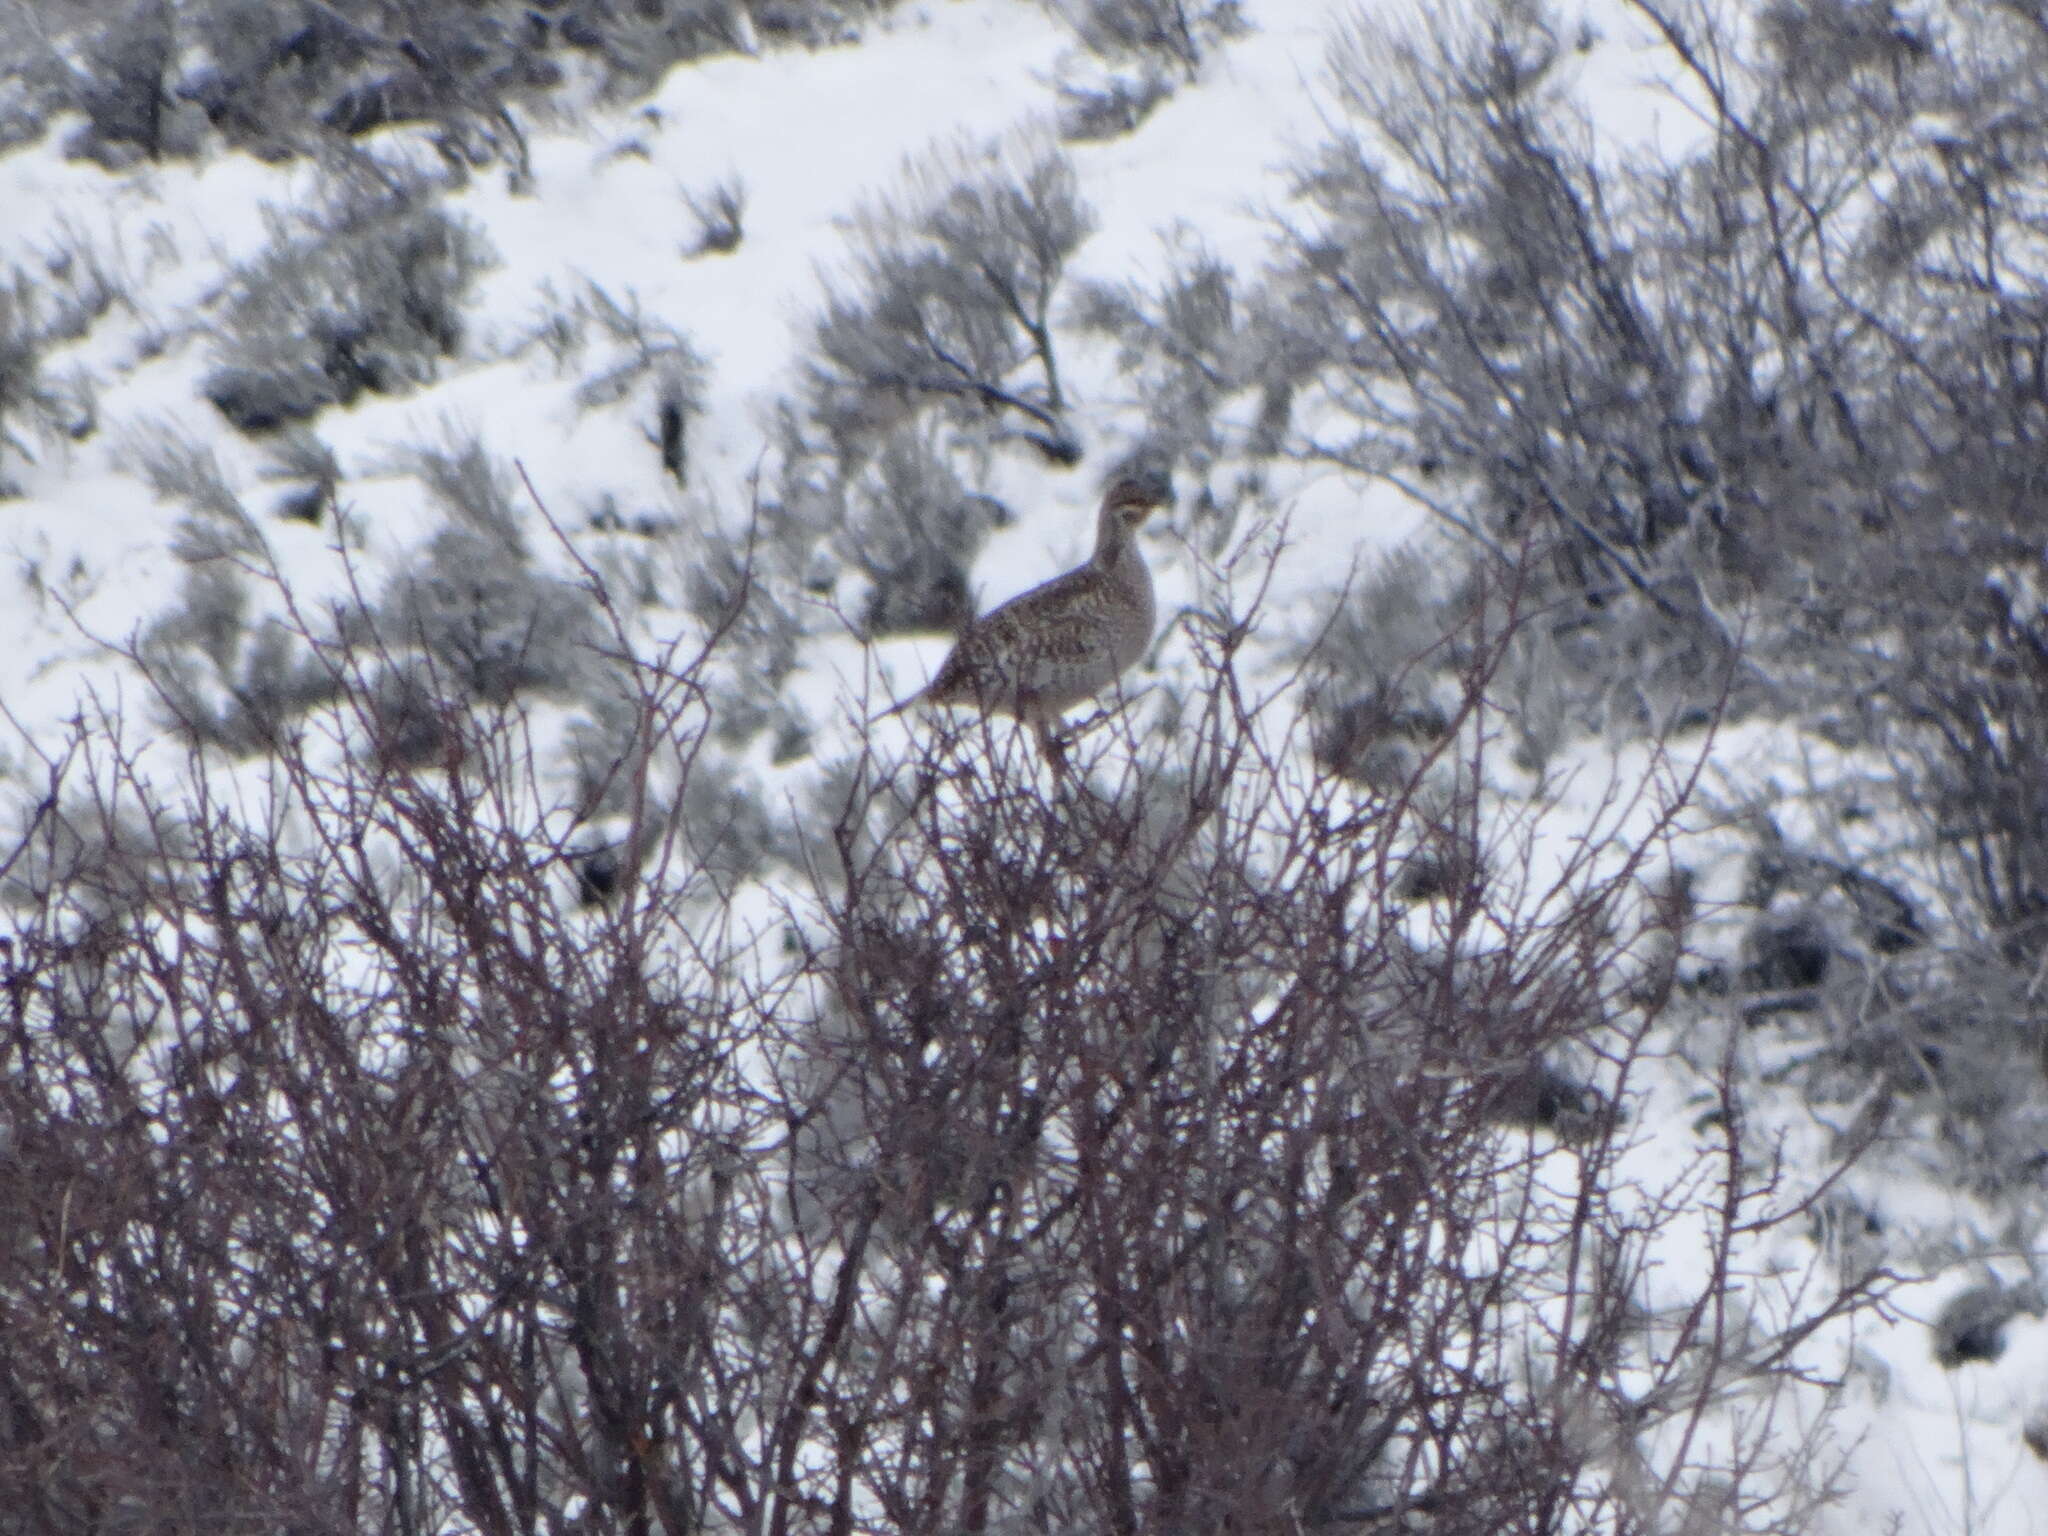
{"type": "Point", "coordinates": [1113, 548]}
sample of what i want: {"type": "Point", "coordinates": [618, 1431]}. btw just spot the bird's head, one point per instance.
{"type": "Point", "coordinates": [1133, 497]}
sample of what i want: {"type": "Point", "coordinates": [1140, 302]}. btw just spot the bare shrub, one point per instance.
{"type": "Point", "coordinates": [471, 620]}
{"type": "Point", "coordinates": [651, 357]}
{"type": "Point", "coordinates": [1971, 1327]}
{"type": "Point", "coordinates": [483, 620]}
{"type": "Point", "coordinates": [368, 297]}
{"type": "Point", "coordinates": [282, 83]}
{"type": "Point", "coordinates": [1384, 662]}
{"type": "Point", "coordinates": [126, 79]}
{"type": "Point", "coordinates": [21, 348]}
{"type": "Point", "coordinates": [1722, 392]}
{"type": "Point", "coordinates": [1174, 34]}
{"type": "Point", "coordinates": [285, 82]}
{"type": "Point", "coordinates": [1864, 212]}
{"type": "Point", "coordinates": [224, 682]}
{"type": "Point", "coordinates": [331, 1294]}
{"type": "Point", "coordinates": [156, 78]}
{"type": "Point", "coordinates": [638, 43]}
{"type": "Point", "coordinates": [215, 524]}
{"type": "Point", "coordinates": [59, 299]}
{"type": "Point", "coordinates": [913, 530]}
{"type": "Point", "coordinates": [1126, 1157]}
{"type": "Point", "coordinates": [1512, 331]}
{"type": "Point", "coordinates": [302, 461]}
{"type": "Point", "coordinates": [952, 301]}
{"type": "Point", "coordinates": [721, 217]}
{"type": "Point", "coordinates": [743, 582]}
{"type": "Point", "coordinates": [1786, 389]}
{"type": "Point", "coordinates": [1092, 112]}
{"type": "Point", "coordinates": [224, 675]}
{"type": "Point", "coordinates": [1191, 345]}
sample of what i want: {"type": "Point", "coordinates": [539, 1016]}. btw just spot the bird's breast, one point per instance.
{"type": "Point", "coordinates": [1141, 613]}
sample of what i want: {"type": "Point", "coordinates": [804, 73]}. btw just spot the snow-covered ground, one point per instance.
{"type": "Point", "coordinates": [85, 552]}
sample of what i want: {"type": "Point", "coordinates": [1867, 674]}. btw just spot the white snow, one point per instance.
{"type": "Point", "coordinates": [84, 554]}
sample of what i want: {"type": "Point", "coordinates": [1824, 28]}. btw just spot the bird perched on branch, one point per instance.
{"type": "Point", "coordinates": [1067, 639]}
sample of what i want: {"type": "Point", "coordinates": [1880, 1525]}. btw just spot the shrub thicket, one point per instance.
{"type": "Point", "coordinates": [154, 78]}
{"type": "Point", "coordinates": [1768, 414]}
{"type": "Point", "coordinates": [1128, 1156]}
{"type": "Point", "coordinates": [470, 621]}
{"type": "Point", "coordinates": [369, 296]}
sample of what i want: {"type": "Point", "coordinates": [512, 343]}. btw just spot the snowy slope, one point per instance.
{"type": "Point", "coordinates": [85, 552]}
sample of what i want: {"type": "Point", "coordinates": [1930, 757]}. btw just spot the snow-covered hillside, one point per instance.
{"type": "Point", "coordinates": [561, 381]}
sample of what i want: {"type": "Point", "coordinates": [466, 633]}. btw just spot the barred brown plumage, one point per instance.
{"type": "Point", "coordinates": [1067, 639]}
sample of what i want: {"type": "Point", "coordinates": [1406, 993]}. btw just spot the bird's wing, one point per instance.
{"type": "Point", "coordinates": [1051, 623]}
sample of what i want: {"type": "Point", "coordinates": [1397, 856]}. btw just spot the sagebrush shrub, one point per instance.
{"type": "Point", "coordinates": [951, 304]}
{"type": "Point", "coordinates": [651, 358]}
{"type": "Point", "coordinates": [21, 348]}
{"type": "Point", "coordinates": [368, 296]}
{"type": "Point", "coordinates": [1175, 34]}
{"type": "Point", "coordinates": [912, 528]}
{"type": "Point", "coordinates": [154, 77]}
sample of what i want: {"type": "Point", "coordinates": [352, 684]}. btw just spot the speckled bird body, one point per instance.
{"type": "Point", "coordinates": [1069, 639]}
